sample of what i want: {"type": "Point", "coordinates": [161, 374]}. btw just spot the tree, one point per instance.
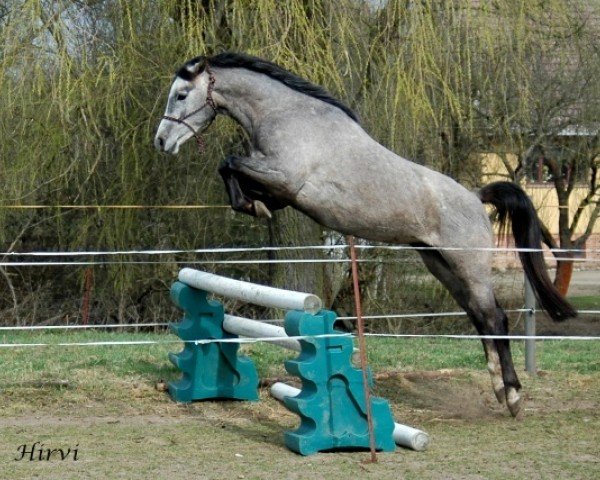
{"type": "Point", "coordinates": [548, 117]}
{"type": "Point", "coordinates": [83, 84]}
{"type": "Point", "coordinates": [517, 78]}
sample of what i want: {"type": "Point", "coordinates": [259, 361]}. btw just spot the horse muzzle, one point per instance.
{"type": "Point", "coordinates": [164, 145]}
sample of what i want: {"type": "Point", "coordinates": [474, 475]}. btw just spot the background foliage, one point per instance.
{"type": "Point", "coordinates": [83, 85]}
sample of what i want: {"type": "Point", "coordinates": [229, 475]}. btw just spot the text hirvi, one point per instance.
{"type": "Point", "coordinates": [37, 452]}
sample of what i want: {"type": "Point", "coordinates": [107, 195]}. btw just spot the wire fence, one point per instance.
{"type": "Point", "coordinates": [337, 250]}
{"type": "Point", "coordinates": [246, 340]}
{"type": "Point", "coordinates": [138, 326]}
{"type": "Point", "coordinates": [13, 259]}
{"type": "Point", "coordinates": [336, 247]}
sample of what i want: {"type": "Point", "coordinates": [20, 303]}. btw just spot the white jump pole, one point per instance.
{"type": "Point", "coordinates": [403, 435]}
{"type": "Point", "coordinates": [250, 292]}
{"type": "Point", "coordinates": [244, 327]}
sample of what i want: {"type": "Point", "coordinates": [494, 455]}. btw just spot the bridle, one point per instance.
{"type": "Point", "coordinates": [209, 103]}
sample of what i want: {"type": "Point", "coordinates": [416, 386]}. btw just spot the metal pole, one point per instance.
{"type": "Point", "coordinates": [362, 346]}
{"type": "Point", "coordinates": [530, 366]}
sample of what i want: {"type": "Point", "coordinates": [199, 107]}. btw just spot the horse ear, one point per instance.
{"type": "Point", "coordinates": [199, 67]}
{"type": "Point", "coordinates": [192, 69]}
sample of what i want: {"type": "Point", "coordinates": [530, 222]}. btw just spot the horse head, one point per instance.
{"type": "Point", "coordinates": [190, 107]}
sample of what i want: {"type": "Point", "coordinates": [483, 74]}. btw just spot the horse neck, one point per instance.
{"type": "Point", "coordinates": [249, 97]}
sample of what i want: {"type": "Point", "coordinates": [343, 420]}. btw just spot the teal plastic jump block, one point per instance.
{"type": "Point", "coordinates": [212, 370]}
{"type": "Point", "coordinates": [331, 404]}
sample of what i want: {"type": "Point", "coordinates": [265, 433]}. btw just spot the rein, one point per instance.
{"type": "Point", "coordinates": [209, 103]}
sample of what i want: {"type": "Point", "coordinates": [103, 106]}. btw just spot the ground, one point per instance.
{"type": "Point", "coordinates": [106, 403]}
{"type": "Point", "coordinates": [472, 437]}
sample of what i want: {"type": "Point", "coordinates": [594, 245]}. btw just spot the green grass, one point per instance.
{"type": "Point", "coordinates": [142, 360]}
{"type": "Point", "coordinates": [433, 354]}
{"type": "Point", "coordinates": [57, 375]}
{"type": "Point", "coordinates": [591, 302]}
{"type": "Point", "coordinates": [150, 361]}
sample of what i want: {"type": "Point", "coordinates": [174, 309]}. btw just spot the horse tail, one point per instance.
{"type": "Point", "coordinates": [513, 204]}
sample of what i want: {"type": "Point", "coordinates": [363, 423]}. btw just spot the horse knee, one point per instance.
{"type": "Point", "coordinates": [226, 165]}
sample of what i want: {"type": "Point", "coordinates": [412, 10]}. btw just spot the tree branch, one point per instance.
{"type": "Point", "coordinates": [593, 190]}
{"type": "Point", "coordinates": [547, 237]}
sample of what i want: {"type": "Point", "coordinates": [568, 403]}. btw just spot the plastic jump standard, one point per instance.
{"type": "Point", "coordinates": [331, 402]}
{"type": "Point", "coordinates": [403, 435]}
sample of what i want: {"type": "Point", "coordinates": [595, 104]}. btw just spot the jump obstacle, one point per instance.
{"type": "Point", "coordinates": [331, 403]}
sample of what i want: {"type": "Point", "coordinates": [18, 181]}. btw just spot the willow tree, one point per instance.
{"type": "Point", "coordinates": [514, 77]}
{"type": "Point", "coordinates": [539, 110]}
{"type": "Point", "coordinates": [83, 84]}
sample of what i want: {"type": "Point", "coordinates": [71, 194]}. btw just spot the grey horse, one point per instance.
{"type": "Point", "coordinates": [309, 151]}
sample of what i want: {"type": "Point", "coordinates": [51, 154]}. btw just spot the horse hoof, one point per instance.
{"type": "Point", "coordinates": [517, 410]}
{"type": "Point", "coordinates": [500, 395]}
{"type": "Point", "coordinates": [261, 210]}
{"type": "Point", "coordinates": [514, 403]}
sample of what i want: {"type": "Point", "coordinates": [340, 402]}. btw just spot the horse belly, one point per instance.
{"type": "Point", "coordinates": [365, 213]}
{"type": "Point", "coordinates": [414, 205]}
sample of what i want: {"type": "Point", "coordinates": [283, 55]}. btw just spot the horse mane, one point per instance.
{"type": "Point", "coordinates": [272, 70]}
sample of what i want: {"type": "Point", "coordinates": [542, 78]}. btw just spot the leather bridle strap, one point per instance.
{"type": "Point", "coordinates": [209, 103]}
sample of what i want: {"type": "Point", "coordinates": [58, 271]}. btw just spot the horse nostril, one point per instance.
{"type": "Point", "coordinates": [159, 143]}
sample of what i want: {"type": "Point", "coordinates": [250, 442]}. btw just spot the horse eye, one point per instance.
{"type": "Point", "coordinates": [181, 96]}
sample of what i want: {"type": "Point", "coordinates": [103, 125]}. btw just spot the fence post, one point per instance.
{"type": "Point", "coordinates": [530, 364]}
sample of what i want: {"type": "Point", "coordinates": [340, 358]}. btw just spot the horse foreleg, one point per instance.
{"type": "Point", "coordinates": [236, 188]}
{"type": "Point", "coordinates": [238, 201]}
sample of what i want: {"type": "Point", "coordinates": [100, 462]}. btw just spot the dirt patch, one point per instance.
{"type": "Point", "coordinates": [442, 395]}
{"type": "Point", "coordinates": [472, 436]}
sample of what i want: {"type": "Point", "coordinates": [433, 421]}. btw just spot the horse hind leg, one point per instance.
{"type": "Point", "coordinates": [438, 266]}
{"type": "Point", "coordinates": [477, 299]}
{"type": "Point", "coordinates": [512, 386]}
{"type": "Point", "coordinates": [495, 369]}
{"type": "Point", "coordinates": [495, 364]}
